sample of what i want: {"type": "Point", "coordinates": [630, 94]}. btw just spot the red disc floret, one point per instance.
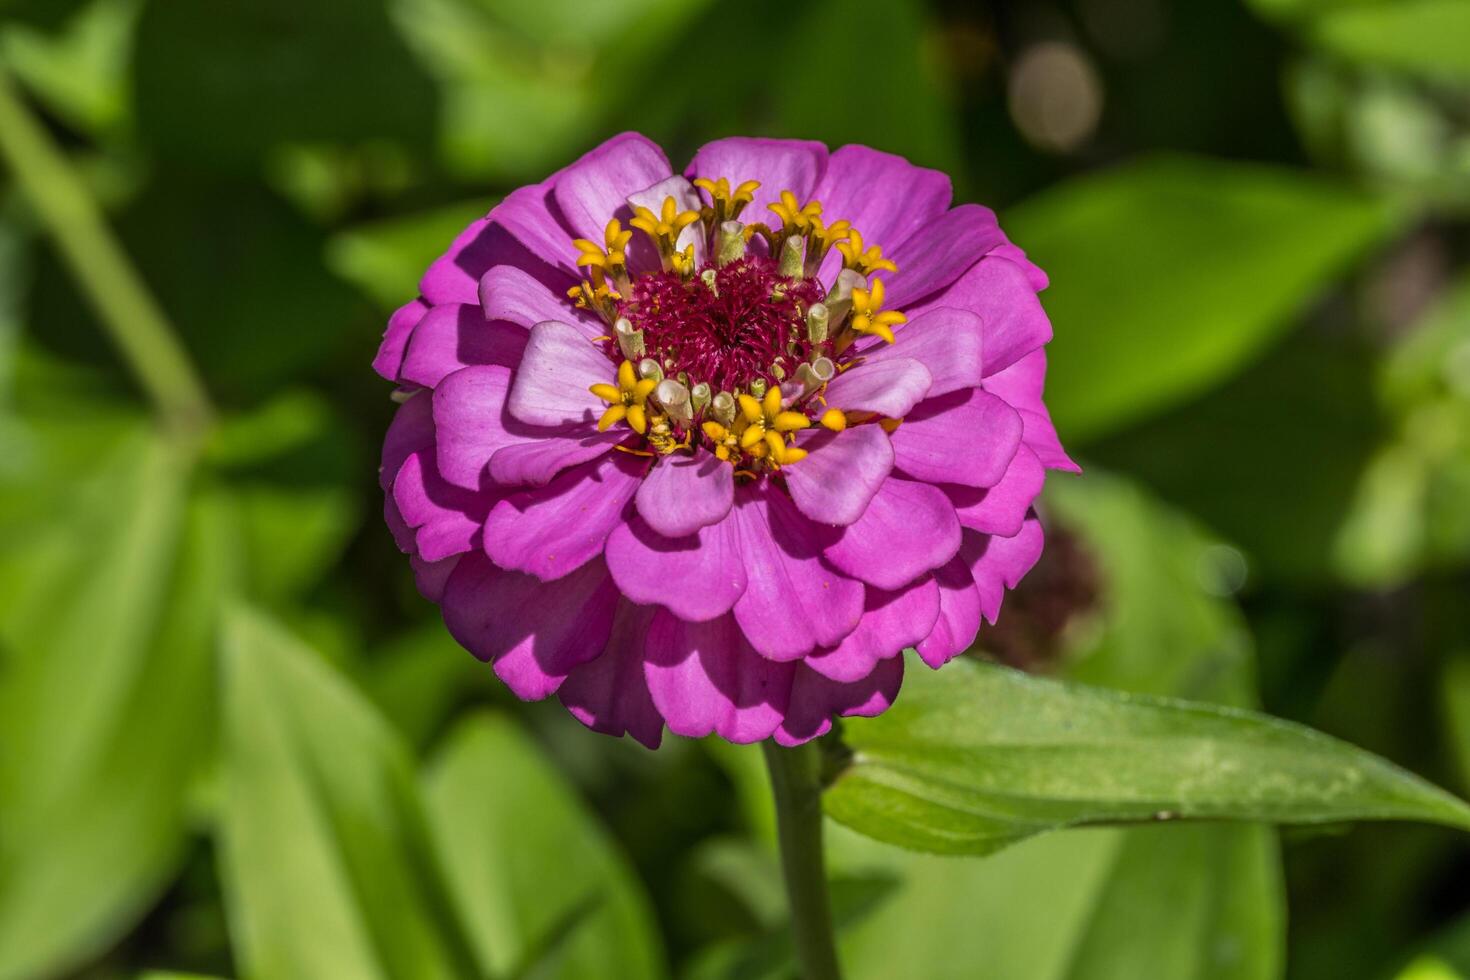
{"type": "Point", "coordinates": [728, 334]}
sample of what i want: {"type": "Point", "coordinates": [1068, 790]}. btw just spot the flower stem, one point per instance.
{"type": "Point", "coordinates": [127, 310]}
{"type": "Point", "coordinates": [796, 779]}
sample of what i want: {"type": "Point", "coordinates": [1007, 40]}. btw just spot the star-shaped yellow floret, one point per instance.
{"type": "Point", "coordinates": [627, 399]}
{"type": "Point", "coordinates": [725, 204]}
{"type": "Point", "coordinates": [866, 262]}
{"type": "Point", "coordinates": [611, 255]}
{"type": "Point", "coordinates": [796, 217]}
{"type": "Point", "coordinates": [767, 428]}
{"type": "Point", "coordinates": [868, 315]}
{"type": "Point", "coordinates": [664, 228]}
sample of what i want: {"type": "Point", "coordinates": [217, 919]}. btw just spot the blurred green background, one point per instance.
{"type": "Point", "coordinates": [234, 742]}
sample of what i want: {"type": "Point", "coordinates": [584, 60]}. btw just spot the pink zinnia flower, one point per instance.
{"type": "Point", "coordinates": [709, 451]}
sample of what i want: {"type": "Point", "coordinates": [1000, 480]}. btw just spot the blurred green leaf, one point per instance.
{"type": "Point", "coordinates": [327, 863]}
{"type": "Point", "coordinates": [1169, 274]}
{"type": "Point", "coordinates": [547, 893]}
{"type": "Point", "coordinates": [80, 73]}
{"type": "Point", "coordinates": [983, 757]}
{"type": "Point", "coordinates": [107, 616]}
{"type": "Point", "coordinates": [1430, 38]}
{"type": "Point", "coordinates": [386, 258]}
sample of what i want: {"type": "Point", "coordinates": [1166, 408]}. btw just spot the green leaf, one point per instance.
{"type": "Point", "coordinates": [81, 72]}
{"type": "Point", "coordinates": [1423, 37]}
{"type": "Point", "coordinates": [327, 864]}
{"type": "Point", "coordinates": [982, 757]}
{"type": "Point", "coordinates": [107, 611]}
{"type": "Point", "coordinates": [386, 258]}
{"type": "Point", "coordinates": [547, 892]}
{"type": "Point", "coordinates": [1169, 274]}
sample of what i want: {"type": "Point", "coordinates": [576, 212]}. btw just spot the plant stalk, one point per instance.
{"type": "Point", "coordinates": [796, 779]}
{"type": "Point", "coordinates": [116, 292]}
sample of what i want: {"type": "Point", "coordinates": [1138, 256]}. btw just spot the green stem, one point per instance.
{"type": "Point", "coordinates": [138, 327]}
{"type": "Point", "coordinates": [796, 779]}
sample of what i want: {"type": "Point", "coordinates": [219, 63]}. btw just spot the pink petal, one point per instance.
{"type": "Point", "coordinates": [908, 529]}
{"type": "Point", "coordinates": [850, 190]}
{"type": "Point", "coordinates": [998, 291]}
{"type": "Point", "coordinates": [446, 519]}
{"type": "Point", "coordinates": [395, 339]}
{"type": "Point", "coordinates": [642, 255]}
{"type": "Point", "coordinates": [551, 384]}
{"type": "Point", "coordinates": [959, 615]}
{"type": "Point", "coordinates": [794, 601]}
{"type": "Point", "coordinates": [412, 429]}
{"type": "Point", "coordinates": [455, 336]}
{"type": "Point", "coordinates": [697, 578]}
{"type": "Point", "coordinates": [889, 386]}
{"type": "Point", "coordinates": [430, 577]}
{"type": "Point", "coordinates": [555, 530]}
{"type": "Point", "coordinates": [997, 564]}
{"type": "Point", "coordinates": [534, 633]}
{"type": "Point", "coordinates": [937, 254]}
{"type": "Point", "coordinates": [891, 622]}
{"type": "Point", "coordinates": [508, 293]}
{"type": "Point", "coordinates": [789, 165]}
{"type": "Point", "coordinates": [1014, 253]}
{"type": "Point", "coordinates": [1021, 386]}
{"type": "Point", "coordinates": [815, 699]}
{"type": "Point", "coordinates": [841, 472]}
{"type": "Point", "coordinates": [705, 679]}
{"type": "Point", "coordinates": [470, 422]}
{"type": "Point", "coordinates": [968, 437]}
{"type": "Point", "coordinates": [535, 462]}
{"type": "Point", "coordinates": [949, 343]}
{"type": "Point", "coordinates": [525, 232]}
{"type": "Point", "coordinates": [610, 694]}
{"type": "Point", "coordinates": [448, 280]}
{"type": "Point", "coordinates": [591, 191]}
{"type": "Point", "coordinates": [1002, 508]}
{"type": "Point", "coordinates": [685, 493]}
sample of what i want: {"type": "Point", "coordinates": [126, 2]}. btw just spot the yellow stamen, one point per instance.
{"type": "Point", "coordinates": [865, 261]}
{"type": "Point", "coordinates": [791, 421]}
{"type": "Point", "coordinates": [613, 415]}
{"type": "Point", "coordinates": [725, 204]}
{"type": "Point", "coordinates": [795, 218]}
{"type": "Point", "coordinates": [834, 419]}
{"type": "Point", "coordinates": [868, 317]}
{"type": "Point", "coordinates": [664, 229]}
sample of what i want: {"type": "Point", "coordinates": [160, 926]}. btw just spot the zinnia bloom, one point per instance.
{"type": "Point", "coordinates": [710, 450]}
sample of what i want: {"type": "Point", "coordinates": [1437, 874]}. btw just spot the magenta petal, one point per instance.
{"type": "Point", "coordinates": [1014, 253]}
{"type": "Point", "coordinates": [959, 615]}
{"type": "Point", "coordinates": [446, 518]}
{"type": "Point", "coordinates": [705, 679]}
{"type": "Point", "coordinates": [525, 232]}
{"type": "Point", "coordinates": [610, 694]}
{"type": "Point", "coordinates": [841, 472]}
{"type": "Point", "coordinates": [403, 535]}
{"type": "Point", "coordinates": [430, 577]}
{"type": "Point", "coordinates": [997, 564]}
{"type": "Point", "coordinates": [533, 632]}
{"type": "Point", "coordinates": [1021, 385]}
{"type": "Point", "coordinates": [395, 339]}
{"type": "Point", "coordinates": [794, 601]}
{"type": "Point", "coordinates": [589, 192]}
{"type": "Point", "coordinates": [551, 384]}
{"type": "Point", "coordinates": [891, 622]}
{"type": "Point", "coordinates": [470, 422]}
{"type": "Point", "coordinates": [815, 699]}
{"type": "Point", "coordinates": [937, 254]}
{"type": "Point", "coordinates": [536, 462]}
{"type": "Point", "coordinates": [998, 291]}
{"type": "Point", "coordinates": [412, 429]}
{"type": "Point", "coordinates": [779, 165]}
{"type": "Point", "coordinates": [455, 336]}
{"type": "Point", "coordinates": [968, 437]}
{"type": "Point", "coordinates": [1002, 508]}
{"type": "Point", "coordinates": [697, 578]}
{"type": "Point", "coordinates": [889, 386]}
{"type": "Point", "coordinates": [948, 342]}
{"type": "Point", "coordinates": [908, 529]}
{"type": "Point", "coordinates": [451, 277]}
{"type": "Point", "coordinates": [508, 293]}
{"type": "Point", "coordinates": [917, 195]}
{"type": "Point", "coordinates": [685, 493]}
{"type": "Point", "coordinates": [555, 530]}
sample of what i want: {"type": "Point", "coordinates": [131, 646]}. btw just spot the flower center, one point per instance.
{"type": "Point", "coordinates": [730, 341]}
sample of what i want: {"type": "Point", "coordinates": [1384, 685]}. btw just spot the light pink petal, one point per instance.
{"type": "Point", "coordinates": [791, 165]}
{"type": "Point", "coordinates": [535, 462]}
{"type": "Point", "coordinates": [889, 386]}
{"type": "Point", "coordinates": [697, 578]}
{"type": "Point", "coordinates": [1021, 385]}
{"type": "Point", "coordinates": [642, 256]}
{"type": "Point", "coordinates": [610, 694]}
{"type": "Point", "coordinates": [591, 191]}
{"type": "Point", "coordinates": [841, 472]}
{"type": "Point", "coordinates": [534, 633]}
{"type": "Point", "coordinates": [705, 679]}
{"type": "Point", "coordinates": [891, 622]}
{"type": "Point", "coordinates": [395, 339]}
{"type": "Point", "coordinates": [551, 384]}
{"type": "Point", "coordinates": [471, 423]}
{"type": "Point", "coordinates": [948, 342]}
{"type": "Point", "coordinates": [997, 290]}
{"type": "Point", "coordinates": [884, 196]}
{"type": "Point", "coordinates": [508, 293]}
{"type": "Point", "coordinates": [908, 529]}
{"type": "Point", "coordinates": [1002, 508]}
{"type": "Point", "coordinates": [997, 564]}
{"type": "Point", "coordinates": [937, 254]}
{"type": "Point", "coordinates": [815, 699]}
{"type": "Point", "coordinates": [959, 615]}
{"type": "Point", "coordinates": [685, 493]}
{"type": "Point", "coordinates": [794, 601]}
{"type": "Point", "coordinates": [555, 530]}
{"type": "Point", "coordinates": [455, 336]}
{"type": "Point", "coordinates": [968, 437]}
